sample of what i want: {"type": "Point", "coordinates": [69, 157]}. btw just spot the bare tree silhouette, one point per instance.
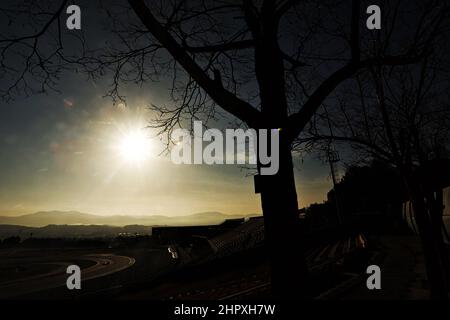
{"type": "Point", "coordinates": [401, 116]}
{"type": "Point", "coordinates": [269, 64]}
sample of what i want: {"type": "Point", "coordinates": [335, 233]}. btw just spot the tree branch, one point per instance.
{"type": "Point", "coordinates": [372, 147]}
{"type": "Point", "coordinates": [53, 18]}
{"type": "Point", "coordinates": [285, 6]}
{"type": "Point", "coordinates": [226, 46]}
{"type": "Point", "coordinates": [298, 121]}
{"type": "Point", "coordinates": [224, 98]}
{"type": "Point", "coordinates": [354, 37]}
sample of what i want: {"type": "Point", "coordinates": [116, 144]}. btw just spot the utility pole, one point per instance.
{"type": "Point", "coordinates": [333, 157]}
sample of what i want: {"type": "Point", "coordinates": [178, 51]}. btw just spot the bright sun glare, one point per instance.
{"type": "Point", "coordinates": [134, 146]}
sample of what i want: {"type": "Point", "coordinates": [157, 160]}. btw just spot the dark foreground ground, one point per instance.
{"type": "Point", "coordinates": [139, 272]}
{"type": "Point", "coordinates": [402, 269]}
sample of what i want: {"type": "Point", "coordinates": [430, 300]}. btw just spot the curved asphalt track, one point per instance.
{"type": "Point", "coordinates": [104, 264]}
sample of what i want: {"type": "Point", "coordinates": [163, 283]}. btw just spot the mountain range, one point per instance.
{"type": "Point", "coordinates": [45, 218]}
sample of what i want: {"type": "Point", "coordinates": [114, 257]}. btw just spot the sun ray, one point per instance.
{"type": "Point", "coordinates": [134, 146]}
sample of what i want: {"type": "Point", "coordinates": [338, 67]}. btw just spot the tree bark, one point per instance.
{"type": "Point", "coordinates": [435, 268]}
{"type": "Point", "coordinates": [435, 204]}
{"type": "Point", "coordinates": [289, 272]}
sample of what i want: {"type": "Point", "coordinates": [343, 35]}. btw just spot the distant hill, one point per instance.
{"type": "Point", "coordinates": [45, 218]}
{"type": "Point", "coordinates": [71, 231]}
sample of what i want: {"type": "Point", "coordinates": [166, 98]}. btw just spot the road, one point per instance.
{"type": "Point", "coordinates": [104, 264]}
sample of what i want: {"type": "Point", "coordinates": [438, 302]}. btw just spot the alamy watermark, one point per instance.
{"type": "Point", "coordinates": [374, 280]}
{"type": "Point", "coordinates": [74, 280]}
{"type": "Point", "coordinates": [236, 146]}
{"type": "Point", "coordinates": [73, 21]}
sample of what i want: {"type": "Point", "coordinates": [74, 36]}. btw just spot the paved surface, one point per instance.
{"type": "Point", "coordinates": [403, 274]}
{"type": "Point", "coordinates": [104, 264]}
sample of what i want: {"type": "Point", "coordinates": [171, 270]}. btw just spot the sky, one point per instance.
{"type": "Point", "coordinates": [61, 151]}
{"type": "Point", "coordinates": [64, 151]}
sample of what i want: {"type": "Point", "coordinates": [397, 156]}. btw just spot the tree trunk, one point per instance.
{"type": "Point", "coordinates": [445, 231]}
{"type": "Point", "coordinates": [289, 273]}
{"type": "Point", "coordinates": [436, 209]}
{"type": "Point", "coordinates": [435, 268]}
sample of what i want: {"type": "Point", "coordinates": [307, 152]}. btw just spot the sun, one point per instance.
{"type": "Point", "coordinates": [134, 146]}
